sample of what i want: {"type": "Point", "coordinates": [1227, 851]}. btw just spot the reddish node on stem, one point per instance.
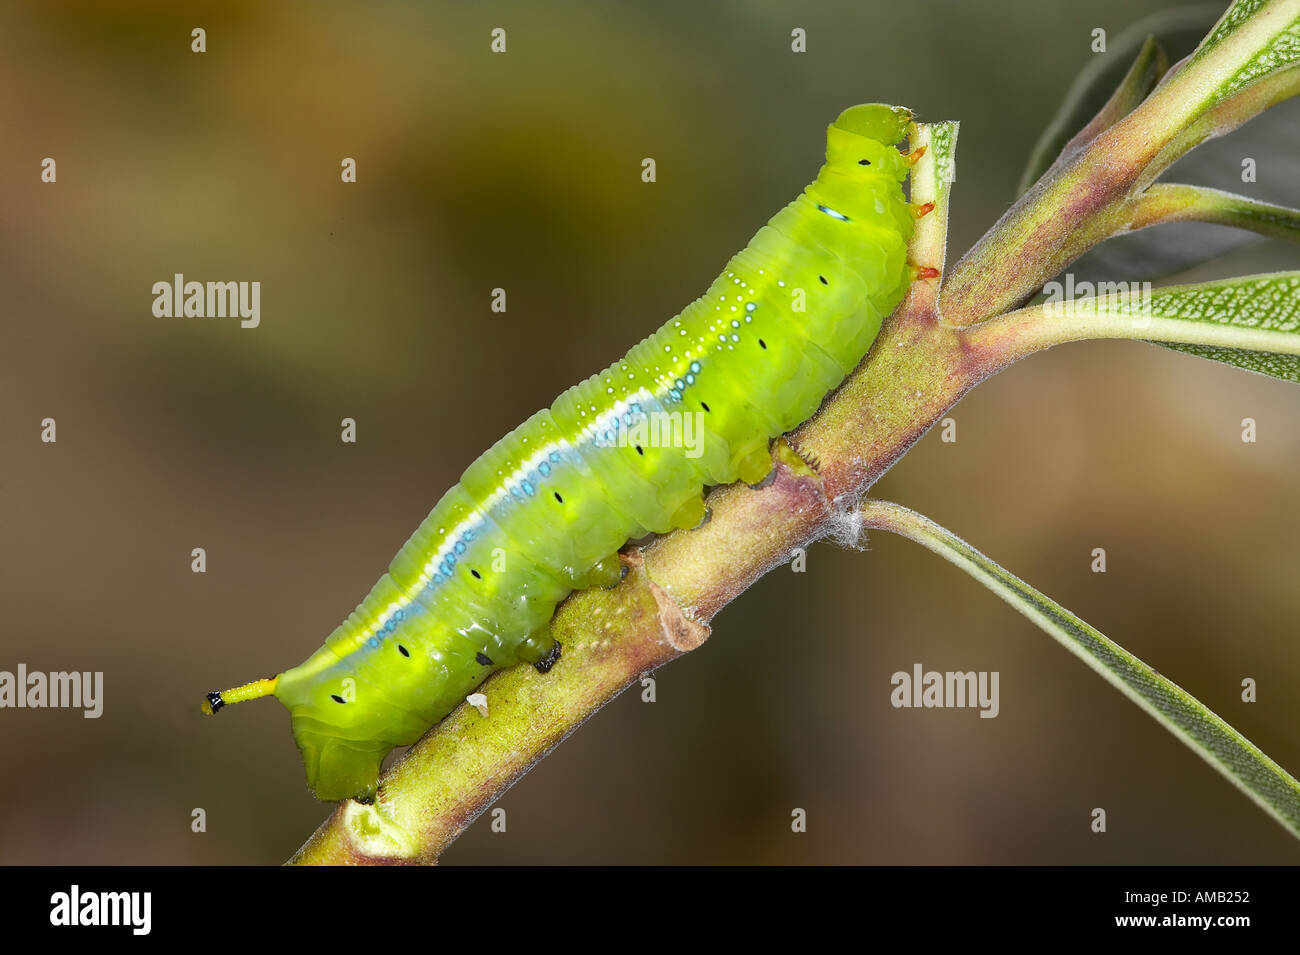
{"type": "Point", "coordinates": [916, 154]}
{"type": "Point", "coordinates": [924, 272]}
{"type": "Point", "coordinates": [923, 209]}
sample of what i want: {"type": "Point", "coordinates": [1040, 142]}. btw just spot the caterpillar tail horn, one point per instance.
{"type": "Point", "coordinates": [240, 694]}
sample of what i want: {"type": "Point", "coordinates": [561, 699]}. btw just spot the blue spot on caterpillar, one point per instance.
{"type": "Point", "coordinates": [566, 489]}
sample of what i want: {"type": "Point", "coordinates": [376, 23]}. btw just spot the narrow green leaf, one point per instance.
{"type": "Point", "coordinates": [1249, 62]}
{"type": "Point", "coordinates": [1278, 48]}
{"type": "Point", "coordinates": [1187, 216]}
{"type": "Point", "coordinates": [1285, 367]}
{"type": "Point", "coordinates": [1236, 15]}
{"type": "Point", "coordinates": [1176, 202]}
{"type": "Point", "coordinates": [1247, 312]}
{"type": "Point", "coordinates": [1272, 141]}
{"type": "Point", "coordinates": [1251, 322]}
{"type": "Point", "coordinates": [1113, 83]}
{"type": "Point", "coordinates": [1237, 758]}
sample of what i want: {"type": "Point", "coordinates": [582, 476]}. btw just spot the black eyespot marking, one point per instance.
{"type": "Point", "coordinates": [762, 344]}
{"type": "Point", "coordinates": [484, 659]}
{"type": "Point", "coordinates": [864, 162]}
{"type": "Point", "coordinates": [558, 498]}
{"type": "Point", "coordinates": [704, 405]}
{"type": "Point", "coordinates": [215, 702]}
{"type": "Point", "coordinates": [639, 451]}
{"type": "Point", "coordinates": [477, 575]}
{"type": "Point", "coordinates": [336, 698]}
{"type": "Point", "coordinates": [403, 651]}
{"type": "Point", "coordinates": [822, 279]}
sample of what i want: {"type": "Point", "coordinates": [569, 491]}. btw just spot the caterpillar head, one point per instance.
{"type": "Point", "coordinates": [860, 182]}
{"type": "Point", "coordinates": [863, 138]}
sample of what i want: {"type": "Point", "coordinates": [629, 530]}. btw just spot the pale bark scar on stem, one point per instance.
{"type": "Point", "coordinates": [682, 633]}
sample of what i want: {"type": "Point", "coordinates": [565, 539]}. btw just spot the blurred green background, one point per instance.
{"type": "Point", "coordinates": [523, 171]}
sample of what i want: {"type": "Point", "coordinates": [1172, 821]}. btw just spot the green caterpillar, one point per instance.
{"type": "Point", "coordinates": [546, 509]}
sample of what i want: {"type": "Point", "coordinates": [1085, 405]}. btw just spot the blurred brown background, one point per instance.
{"type": "Point", "coordinates": [523, 171]}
